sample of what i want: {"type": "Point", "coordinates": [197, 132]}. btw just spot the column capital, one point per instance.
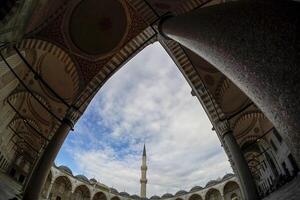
{"type": "Point", "coordinates": [160, 23]}
{"type": "Point", "coordinates": [222, 127]}
{"type": "Point", "coordinates": [71, 117]}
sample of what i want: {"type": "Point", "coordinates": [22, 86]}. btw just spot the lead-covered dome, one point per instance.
{"type": "Point", "coordinates": [92, 180]}
{"type": "Point", "coordinates": [124, 194]}
{"type": "Point", "coordinates": [210, 183]}
{"type": "Point", "coordinates": [154, 197]}
{"type": "Point", "coordinates": [196, 188]}
{"type": "Point", "coordinates": [181, 192]}
{"type": "Point", "coordinates": [134, 196]}
{"type": "Point", "coordinates": [229, 175]}
{"type": "Point", "coordinates": [65, 169]}
{"type": "Point", "coordinates": [82, 177]}
{"type": "Point", "coordinates": [167, 195]}
{"type": "Point", "coordinates": [113, 190]}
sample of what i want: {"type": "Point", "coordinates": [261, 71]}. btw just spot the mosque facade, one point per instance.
{"type": "Point", "coordinates": [61, 184]}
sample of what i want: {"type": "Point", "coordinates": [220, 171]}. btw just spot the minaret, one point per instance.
{"type": "Point", "coordinates": [144, 171]}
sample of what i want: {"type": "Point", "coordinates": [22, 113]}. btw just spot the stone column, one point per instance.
{"type": "Point", "coordinates": [247, 183]}
{"type": "Point", "coordinates": [242, 171]}
{"type": "Point", "coordinates": [41, 170]}
{"type": "Point", "coordinates": [256, 45]}
{"type": "Point", "coordinates": [49, 189]}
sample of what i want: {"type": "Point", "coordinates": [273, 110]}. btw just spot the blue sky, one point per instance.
{"type": "Point", "coordinates": [148, 100]}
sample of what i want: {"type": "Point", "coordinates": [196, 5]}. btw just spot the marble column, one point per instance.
{"type": "Point", "coordinates": [41, 170]}
{"type": "Point", "coordinates": [237, 159]}
{"type": "Point", "coordinates": [248, 187]}
{"type": "Point", "coordinates": [256, 45]}
{"type": "Point", "coordinates": [49, 189]}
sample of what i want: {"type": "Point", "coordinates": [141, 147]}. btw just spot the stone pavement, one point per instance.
{"type": "Point", "coordinates": [8, 187]}
{"type": "Point", "coordinates": [290, 191]}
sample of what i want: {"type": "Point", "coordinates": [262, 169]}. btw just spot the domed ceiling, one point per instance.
{"type": "Point", "coordinates": [95, 29]}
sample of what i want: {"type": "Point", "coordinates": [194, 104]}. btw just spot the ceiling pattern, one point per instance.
{"type": "Point", "coordinates": [75, 46]}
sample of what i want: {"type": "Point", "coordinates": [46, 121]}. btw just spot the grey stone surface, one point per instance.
{"type": "Point", "coordinates": [256, 45]}
{"type": "Point", "coordinates": [8, 187]}
{"type": "Point", "coordinates": [290, 191]}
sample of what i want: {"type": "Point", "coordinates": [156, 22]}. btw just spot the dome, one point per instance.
{"type": "Point", "coordinates": [167, 195]}
{"type": "Point", "coordinates": [113, 190]}
{"type": "Point", "coordinates": [65, 169]}
{"type": "Point", "coordinates": [82, 177]}
{"type": "Point", "coordinates": [196, 188]}
{"type": "Point", "coordinates": [210, 183]}
{"type": "Point", "coordinates": [134, 196]}
{"type": "Point", "coordinates": [124, 194]}
{"type": "Point", "coordinates": [181, 192]}
{"type": "Point", "coordinates": [93, 180]}
{"type": "Point", "coordinates": [155, 197]}
{"type": "Point", "coordinates": [227, 176]}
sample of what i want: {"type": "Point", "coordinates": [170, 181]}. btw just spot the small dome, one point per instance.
{"type": "Point", "coordinates": [154, 197]}
{"type": "Point", "coordinates": [134, 196]}
{"type": "Point", "coordinates": [124, 194]}
{"type": "Point", "coordinates": [210, 183]}
{"type": "Point", "coordinates": [113, 190]}
{"type": "Point", "coordinates": [196, 188]}
{"type": "Point", "coordinates": [167, 195]}
{"type": "Point", "coordinates": [227, 176]}
{"type": "Point", "coordinates": [65, 169]}
{"type": "Point", "coordinates": [181, 192]}
{"type": "Point", "coordinates": [92, 180]}
{"type": "Point", "coordinates": [82, 177]}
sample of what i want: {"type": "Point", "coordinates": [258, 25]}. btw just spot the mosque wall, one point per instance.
{"type": "Point", "coordinates": [62, 184]}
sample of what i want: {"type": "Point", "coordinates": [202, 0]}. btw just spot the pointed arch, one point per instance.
{"type": "Point", "coordinates": [195, 197]}
{"type": "Point", "coordinates": [99, 196]}
{"type": "Point", "coordinates": [62, 187]}
{"type": "Point", "coordinates": [213, 194]}
{"type": "Point", "coordinates": [82, 192]}
{"type": "Point", "coordinates": [231, 190]}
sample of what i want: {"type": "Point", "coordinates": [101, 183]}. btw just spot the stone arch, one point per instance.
{"type": "Point", "coordinates": [24, 147]}
{"type": "Point", "coordinates": [62, 187]}
{"type": "Point", "coordinates": [32, 122]}
{"type": "Point", "coordinates": [247, 116]}
{"type": "Point", "coordinates": [82, 192]}
{"type": "Point", "coordinates": [234, 196]}
{"type": "Point", "coordinates": [47, 184]}
{"type": "Point", "coordinates": [115, 198]}
{"type": "Point", "coordinates": [99, 196]}
{"type": "Point", "coordinates": [231, 191]}
{"type": "Point", "coordinates": [37, 107]}
{"type": "Point", "coordinates": [246, 122]}
{"type": "Point", "coordinates": [227, 94]}
{"type": "Point", "coordinates": [61, 55]}
{"type": "Point", "coordinates": [19, 125]}
{"type": "Point", "coordinates": [195, 197]}
{"type": "Point", "coordinates": [23, 94]}
{"type": "Point", "coordinates": [248, 139]}
{"type": "Point", "coordinates": [213, 194]}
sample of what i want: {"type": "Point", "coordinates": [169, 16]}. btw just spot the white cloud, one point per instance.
{"type": "Point", "coordinates": [148, 100]}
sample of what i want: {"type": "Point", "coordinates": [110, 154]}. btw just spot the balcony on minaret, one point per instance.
{"type": "Point", "coordinates": [143, 167]}
{"type": "Point", "coordinates": [144, 181]}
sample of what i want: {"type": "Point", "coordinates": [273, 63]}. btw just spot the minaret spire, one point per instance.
{"type": "Point", "coordinates": [143, 173]}
{"type": "Point", "coordinates": [144, 151]}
